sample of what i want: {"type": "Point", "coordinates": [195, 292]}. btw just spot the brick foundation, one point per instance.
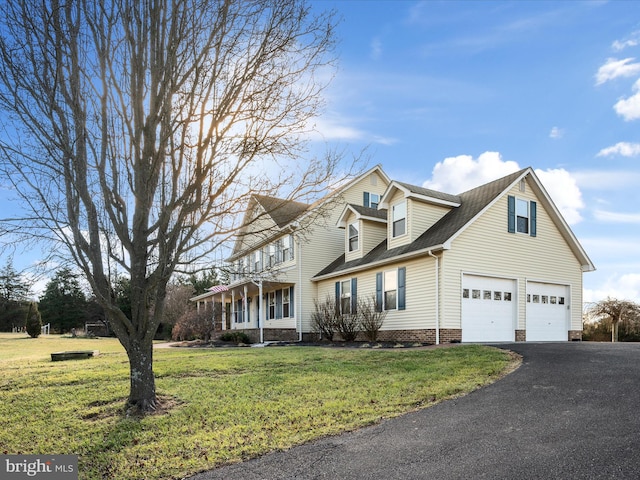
{"type": "Point", "coordinates": [447, 335]}
{"type": "Point", "coordinates": [575, 335]}
{"type": "Point", "coordinates": [521, 335]}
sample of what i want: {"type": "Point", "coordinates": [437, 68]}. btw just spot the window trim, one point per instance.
{"type": "Point", "coordinates": [395, 221]}
{"type": "Point", "coordinates": [353, 239]}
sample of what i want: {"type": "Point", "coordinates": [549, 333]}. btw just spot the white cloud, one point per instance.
{"type": "Point", "coordinates": [622, 287]}
{"type": "Point", "coordinates": [461, 173]}
{"type": "Point", "coordinates": [556, 133]}
{"type": "Point", "coordinates": [376, 49]}
{"type": "Point", "coordinates": [632, 41]}
{"type": "Point", "coordinates": [614, 68]}
{"type": "Point", "coordinates": [629, 108]}
{"type": "Point", "coordinates": [624, 149]}
{"type": "Point", "coordinates": [563, 189]}
{"type": "Point", "coordinates": [616, 217]}
{"type": "Point", "coordinates": [326, 129]}
{"type": "Point", "coordinates": [606, 180]}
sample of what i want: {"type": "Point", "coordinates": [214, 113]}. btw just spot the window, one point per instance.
{"type": "Point", "coordinates": [347, 296]}
{"type": "Point", "coordinates": [271, 255]}
{"type": "Point", "coordinates": [287, 250]}
{"type": "Point", "coordinates": [371, 200]}
{"type": "Point", "coordinates": [257, 261]}
{"type": "Point", "coordinates": [285, 303]}
{"type": "Point", "coordinates": [521, 216]}
{"type": "Point", "coordinates": [390, 290]}
{"type": "Point", "coordinates": [353, 236]}
{"type": "Point", "coordinates": [272, 305]}
{"type": "Point", "coordinates": [399, 219]}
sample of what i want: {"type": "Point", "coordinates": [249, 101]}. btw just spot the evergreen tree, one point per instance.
{"type": "Point", "coordinates": [63, 304]}
{"type": "Point", "coordinates": [33, 322]}
{"type": "Point", "coordinates": [14, 292]}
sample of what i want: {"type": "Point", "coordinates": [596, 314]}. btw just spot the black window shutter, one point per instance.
{"type": "Point", "coordinates": [402, 280]}
{"type": "Point", "coordinates": [512, 213]}
{"type": "Point", "coordinates": [379, 292]}
{"type": "Point", "coordinates": [533, 213]}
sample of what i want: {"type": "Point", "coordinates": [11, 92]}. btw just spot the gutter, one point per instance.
{"type": "Point", "coordinates": [437, 296]}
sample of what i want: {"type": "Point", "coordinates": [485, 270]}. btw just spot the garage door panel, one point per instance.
{"type": "Point", "coordinates": [547, 312]}
{"type": "Point", "coordinates": [488, 309]}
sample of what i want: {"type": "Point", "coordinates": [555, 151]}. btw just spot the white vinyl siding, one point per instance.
{"type": "Point", "coordinates": [546, 257]}
{"type": "Point", "coordinates": [423, 216]}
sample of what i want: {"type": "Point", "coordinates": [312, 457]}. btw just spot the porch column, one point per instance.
{"type": "Point", "coordinates": [224, 311]}
{"type": "Point", "coordinates": [245, 306]}
{"type": "Point", "coordinates": [233, 310]}
{"type": "Point", "coordinates": [261, 312]}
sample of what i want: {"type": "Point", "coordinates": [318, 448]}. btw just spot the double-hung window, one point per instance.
{"type": "Point", "coordinates": [287, 250]}
{"type": "Point", "coordinates": [522, 216]}
{"type": "Point", "coordinates": [347, 296]}
{"type": "Point", "coordinates": [354, 236]}
{"type": "Point", "coordinates": [399, 219]}
{"type": "Point", "coordinates": [391, 289]}
{"type": "Point", "coordinates": [257, 261]}
{"type": "Point", "coordinates": [371, 200]}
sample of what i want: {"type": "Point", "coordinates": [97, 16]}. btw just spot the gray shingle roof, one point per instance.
{"type": "Point", "coordinates": [281, 211]}
{"type": "Point", "coordinates": [447, 197]}
{"type": "Point", "coordinates": [370, 212]}
{"type": "Point", "coordinates": [471, 202]}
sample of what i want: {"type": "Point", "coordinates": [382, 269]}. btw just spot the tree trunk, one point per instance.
{"type": "Point", "coordinates": [142, 395]}
{"type": "Point", "coordinates": [614, 331]}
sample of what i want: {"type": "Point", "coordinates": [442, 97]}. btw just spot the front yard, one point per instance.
{"type": "Point", "coordinates": [227, 405]}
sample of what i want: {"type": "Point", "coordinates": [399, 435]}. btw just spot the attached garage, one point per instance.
{"type": "Point", "coordinates": [488, 309]}
{"type": "Point", "coordinates": [547, 312]}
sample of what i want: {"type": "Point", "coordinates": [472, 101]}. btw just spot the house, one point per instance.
{"type": "Point", "coordinates": [278, 251]}
{"type": "Point", "coordinates": [495, 263]}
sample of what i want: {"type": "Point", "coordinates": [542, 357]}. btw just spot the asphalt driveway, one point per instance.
{"type": "Point", "coordinates": [571, 411]}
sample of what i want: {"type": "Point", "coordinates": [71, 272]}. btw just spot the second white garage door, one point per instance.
{"type": "Point", "coordinates": [488, 309]}
{"type": "Point", "coordinates": [547, 312]}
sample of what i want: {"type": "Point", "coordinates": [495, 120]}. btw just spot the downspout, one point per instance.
{"type": "Point", "coordinates": [437, 296]}
{"type": "Point", "coordinates": [299, 290]}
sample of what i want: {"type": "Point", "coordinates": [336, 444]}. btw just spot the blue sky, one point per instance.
{"type": "Point", "coordinates": [453, 94]}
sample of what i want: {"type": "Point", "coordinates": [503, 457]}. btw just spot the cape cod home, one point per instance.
{"type": "Point", "coordinates": [496, 263]}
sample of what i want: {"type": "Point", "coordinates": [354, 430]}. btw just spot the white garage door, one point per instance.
{"type": "Point", "coordinates": [488, 309]}
{"type": "Point", "coordinates": [547, 312]}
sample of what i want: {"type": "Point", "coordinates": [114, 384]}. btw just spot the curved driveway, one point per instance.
{"type": "Point", "coordinates": [571, 411]}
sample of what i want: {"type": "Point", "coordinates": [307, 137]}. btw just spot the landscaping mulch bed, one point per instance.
{"type": "Point", "coordinates": [371, 345]}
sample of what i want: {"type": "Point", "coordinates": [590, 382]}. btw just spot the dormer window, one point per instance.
{"type": "Point", "coordinates": [354, 235]}
{"type": "Point", "coordinates": [399, 219]}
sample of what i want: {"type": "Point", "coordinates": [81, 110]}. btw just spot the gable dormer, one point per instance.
{"type": "Point", "coordinates": [364, 227]}
{"type": "Point", "coordinates": [412, 210]}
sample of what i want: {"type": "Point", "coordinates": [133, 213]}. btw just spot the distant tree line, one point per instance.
{"type": "Point", "coordinates": [612, 320]}
{"type": "Point", "coordinates": [65, 305]}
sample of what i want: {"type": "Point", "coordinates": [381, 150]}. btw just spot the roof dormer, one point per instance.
{"type": "Point", "coordinates": [412, 210]}
{"type": "Point", "coordinates": [364, 227]}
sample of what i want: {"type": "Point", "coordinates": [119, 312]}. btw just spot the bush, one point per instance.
{"type": "Point", "coordinates": [348, 326]}
{"type": "Point", "coordinates": [34, 321]}
{"type": "Point", "coordinates": [193, 325]}
{"type": "Point", "coordinates": [371, 320]}
{"type": "Point", "coordinates": [235, 337]}
{"type": "Point", "coordinates": [324, 320]}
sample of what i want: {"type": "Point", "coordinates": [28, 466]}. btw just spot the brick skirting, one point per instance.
{"type": "Point", "coordinates": [575, 335]}
{"type": "Point", "coordinates": [521, 335]}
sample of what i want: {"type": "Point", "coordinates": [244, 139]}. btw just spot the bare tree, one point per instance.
{"type": "Point", "coordinates": [615, 311]}
{"type": "Point", "coordinates": [135, 132]}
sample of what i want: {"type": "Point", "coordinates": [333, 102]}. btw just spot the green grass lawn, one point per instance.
{"type": "Point", "coordinates": [228, 404]}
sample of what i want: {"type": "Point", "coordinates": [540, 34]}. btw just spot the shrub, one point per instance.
{"type": "Point", "coordinates": [348, 326]}
{"type": "Point", "coordinates": [371, 320]}
{"type": "Point", "coordinates": [324, 320]}
{"type": "Point", "coordinates": [34, 321]}
{"type": "Point", "coordinates": [235, 337]}
{"type": "Point", "coordinates": [193, 325]}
